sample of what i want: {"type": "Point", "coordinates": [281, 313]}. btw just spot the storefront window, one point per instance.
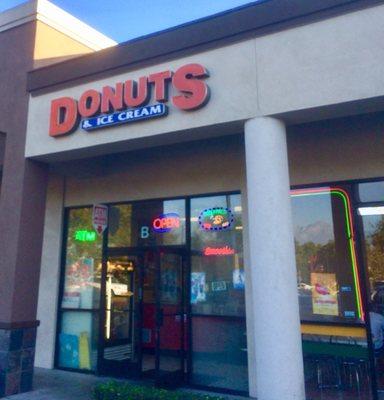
{"type": "Point", "coordinates": [371, 192]}
{"type": "Point", "coordinates": [81, 293]}
{"type": "Point", "coordinates": [82, 262]}
{"type": "Point", "coordinates": [372, 218]}
{"type": "Point", "coordinates": [217, 284]}
{"type": "Point", "coordinates": [149, 223]}
{"type": "Point", "coordinates": [78, 340]}
{"type": "Point", "coordinates": [328, 282]}
{"type": "Point", "coordinates": [336, 357]}
{"type": "Point", "coordinates": [217, 293]}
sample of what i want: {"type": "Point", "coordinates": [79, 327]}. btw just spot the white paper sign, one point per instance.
{"type": "Point", "coordinates": [100, 218]}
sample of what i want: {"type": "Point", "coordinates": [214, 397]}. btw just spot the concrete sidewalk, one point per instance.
{"type": "Point", "coordinates": [63, 385]}
{"type": "Point", "coordinates": [60, 385]}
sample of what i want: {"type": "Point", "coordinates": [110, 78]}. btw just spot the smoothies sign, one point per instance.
{"type": "Point", "coordinates": [128, 101]}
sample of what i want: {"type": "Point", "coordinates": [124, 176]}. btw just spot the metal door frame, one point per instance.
{"type": "Point", "coordinates": [139, 252]}
{"type": "Point", "coordinates": [108, 253]}
{"type": "Point", "coordinates": [183, 313]}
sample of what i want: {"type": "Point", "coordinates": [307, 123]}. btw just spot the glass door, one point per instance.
{"type": "Point", "coordinates": [150, 267]}
{"type": "Point", "coordinates": [121, 352]}
{"type": "Point", "coordinates": [170, 319]}
{"type": "Point", "coordinates": [145, 322]}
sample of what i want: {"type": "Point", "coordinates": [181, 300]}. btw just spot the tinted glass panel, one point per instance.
{"type": "Point", "coordinates": [220, 352]}
{"type": "Point", "coordinates": [147, 223]}
{"type": "Point", "coordinates": [325, 256]}
{"type": "Point", "coordinates": [217, 280]}
{"type": "Point", "coordinates": [217, 293]}
{"type": "Point", "coordinates": [373, 225]}
{"type": "Point", "coordinates": [371, 191]}
{"type": "Point", "coordinates": [82, 262]}
{"type": "Point", "coordinates": [122, 316]}
{"type": "Point", "coordinates": [78, 340]}
{"type": "Point", "coordinates": [79, 329]}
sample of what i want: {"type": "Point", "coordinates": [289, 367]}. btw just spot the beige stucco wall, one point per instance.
{"type": "Point", "coordinates": [332, 150]}
{"type": "Point", "coordinates": [52, 46]}
{"type": "Point", "coordinates": [233, 98]}
{"type": "Point", "coordinates": [333, 62]}
{"type": "Point", "coordinates": [342, 149]}
{"type": "Point", "coordinates": [50, 273]}
{"type": "Point", "coordinates": [193, 168]}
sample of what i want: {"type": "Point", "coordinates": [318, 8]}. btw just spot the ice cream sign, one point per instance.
{"type": "Point", "coordinates": [130, 101]}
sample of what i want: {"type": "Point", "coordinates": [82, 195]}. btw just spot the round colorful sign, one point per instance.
{"type": "Point", "coordinates": [216, 219]}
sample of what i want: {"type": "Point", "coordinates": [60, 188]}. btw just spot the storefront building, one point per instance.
{"type": "Point", "coordinates": [214, 203]}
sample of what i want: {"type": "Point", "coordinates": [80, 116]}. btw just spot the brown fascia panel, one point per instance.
{"type": "Point", "coordinates": [254, 19]}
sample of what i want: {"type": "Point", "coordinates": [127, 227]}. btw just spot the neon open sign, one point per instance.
{"type": "Point", "coordinates": [166, 222]}
{"type": "Point", "coordinates": [216, 219]}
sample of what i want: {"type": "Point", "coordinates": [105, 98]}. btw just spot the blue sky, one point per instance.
{"type": "Point", "coordinates": [127, 19]}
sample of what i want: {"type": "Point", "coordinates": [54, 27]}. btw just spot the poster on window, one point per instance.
{"type": "Point", "coordinates": [69, 350]}
{"type": "Point", "coordinates": [324, 294]}
{"type": "Point", "coordinates": [238, 279]}
{"type": "Point", "coordinates": [78, 291]}
{"type": "Point", "coordinates": [169, 286]}
{"type": "Point", "coordinates": [198, 287]}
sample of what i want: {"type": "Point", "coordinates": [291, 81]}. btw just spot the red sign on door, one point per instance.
{"type": "Point", "coordinates": [100, 218]}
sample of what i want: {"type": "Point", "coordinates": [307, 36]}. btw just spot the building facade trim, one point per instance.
{"type": "Point", "coordinates": [207, 33]}
{"type": "Point", "coordinates": [55, 17]}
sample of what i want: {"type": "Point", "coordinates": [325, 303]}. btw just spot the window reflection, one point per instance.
{"type": "Point", "coordinates": [325, 256]}
{"type": "Point", "coordinates": [374, 249]}
{"type": "Point", "coordinates": [79, 328]}
{"type": "Point", "coordinates": [83, 262]}
{"type": "Point", "coordinates": [78, 340]}
{"type": "Point", "coordinates": [371, 191]}
{"type": "Point", "coordinates": [217, 280]}
{"type": "Point", "coordinates": [373, 225]}
{"type": "Point", "coordinates": [147, 223]}
{"type": "Point", "coordinates": [336, 357]}
{"type": "Point", "coordinates": [217, 293]}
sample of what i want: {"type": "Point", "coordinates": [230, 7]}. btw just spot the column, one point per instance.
{"type": "Point", "coordinates": [50, 273]}
{"type": "Point", "coordinates": [21, 224]}
{"type": "Point", "coordinates": [275, 317]}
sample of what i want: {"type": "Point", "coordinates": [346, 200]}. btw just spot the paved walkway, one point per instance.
{"type": "Point", "coordinates": [63, 385]}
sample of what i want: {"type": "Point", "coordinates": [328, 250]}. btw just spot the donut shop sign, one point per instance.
{"type": "Point", "coordinates": [128, 101]}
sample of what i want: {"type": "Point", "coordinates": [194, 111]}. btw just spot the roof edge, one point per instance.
{"type": "Point", "coordinates": [19, 15]}
{"type": "Point", "coordinates": [262, 17]}
{"type": "Point", "coordinates": [56, 18]}
{"type": "Point", "coordinates": [71, 26]}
